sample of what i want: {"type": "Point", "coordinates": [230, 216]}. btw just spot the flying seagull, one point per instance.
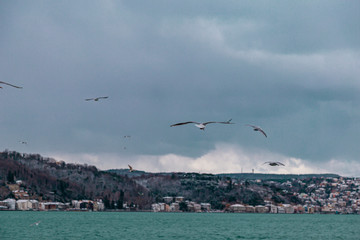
{"type": "Point", "coordinates": [95, 99]}
{"type": "Point", "coordinates": [9, 84]}
{"type": "Point", "coordinates": [23, 142]}
{"type": "Point", "coordinates": [256, 128]}
{"type": "Point", "coordinates": [274, 164]}
{"type": "Point", "coordinates": [201, 126]}
{"type": "Point", "coordinates": [131, 168]}
{"type": "Point", "coordinates": [35, 223]}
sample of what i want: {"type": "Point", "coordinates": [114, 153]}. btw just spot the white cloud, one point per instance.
{"type": "Point", "coordinates": [225, 158]}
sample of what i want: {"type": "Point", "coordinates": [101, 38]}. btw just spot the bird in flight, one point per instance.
{"type": "Point", "coordinates": [201, 126]}
{"type": "Point", "coordinates": [35, 223]}
{"type": "Point", "coordinates": [23, 142]}
{"type": "Point", "coordinates": [95, 99]}
{"type": "Point", "coordinates": [9, 84]}
{"type": "Point", "coordinates": [256, 128]}
{"type": "Point", "coordinates": [274, 164]}
{"type": "Point", "coordinates": [131, 168]}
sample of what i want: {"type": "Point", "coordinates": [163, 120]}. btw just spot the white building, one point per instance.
{"type": "Point", "coordinates": [261, 209]}
{"type": "Point", "coordinates": [194, 207]}
{"type": "Point", "coordinates": [280, 209]}
{"type": "Point", "coordinates": [179, 199]}
{"type": "Point", "coordinates": [10, 203]}
{"type": "Point", "coordinates": [75, 204]}
{"type": "Point", "coordinates": [34, 204]}
{"type": "Point", "coordinates": [155, 207]}
{"type": "Point", "coordinates": [273, 209]}
{"type": "Point", "coordinates": [174, 207]}
{"type": "Point", "coordinates": [23, 205]}
{"type": "Point", "coordinates": [206, 207]}
{"type": "Point", "coordinates": [99, 206]}
{"type": "Point", "coordinates": [238, 208]}
{"type": "Point", "coordinates": [168, 199]}
{"type": "Point", "coordinates": [250, 209]}
{"type": "Point", "coordinates": [288, 208]}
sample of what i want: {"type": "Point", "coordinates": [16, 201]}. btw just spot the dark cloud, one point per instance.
{"type": "Point", "coordinates": [291, 68]}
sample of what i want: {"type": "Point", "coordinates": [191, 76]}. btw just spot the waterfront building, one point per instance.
{"type": "Point", "coordinates": [206, 207]}
{"type": "Point", "coordinates": [174, 207]}
{"type": "Point", "coordinates": [288, 208]}
{"type": "Point", "coordinates": [34, 204]}
{"type": "Point", "coordinates": [261, 209]}
{"type": "Point", "coordinates": [280, 209]}
{"type": "Point", "coordinates": [9, 203]}
{"type": "Point", "coordinates": [237, 208]}
{"type": "Point", "coordinates": [273, 209]}
{"type": "Point", "coordinates": [23, 205]}
{"type": "Point", "coordinates": [155, 207]}
{"type": "Point", "coordinates": [194, 207]}
{"type": "Point", "coordinates": [249, 209]}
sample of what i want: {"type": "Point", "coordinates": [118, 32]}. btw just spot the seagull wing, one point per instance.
{"type": "Point", "coordinates": [206, 123]}
{"type": "Point", "coordinates": [280, 163]}
{"type": "Point", "coordinates": [89, 99]}
{"type": "Point", "coordinates": [182, 123]}
{"type": "Point", "coordinates": [227, 122]}
{"type": "Point", "coordinates": [35, 223]}
{"type": "Point", "coordinates": [102, 97]}
{"type": "Point", "coordinates": [10, 84]}
{"type": "Point", "coordinates": [262, 131]}
{"type": "Point", "coordinates": [257, 128]}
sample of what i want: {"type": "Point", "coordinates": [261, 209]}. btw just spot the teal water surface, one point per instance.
{"type": "Point", "coordinates": [146, 225]}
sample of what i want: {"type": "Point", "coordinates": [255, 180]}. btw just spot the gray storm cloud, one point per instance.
{"type": "Point", "coordinates": [290, 67]}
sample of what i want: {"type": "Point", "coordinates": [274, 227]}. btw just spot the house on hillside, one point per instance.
{"type": "Point", "coordinates": [179, 199]}
{"type": "Point", "coordinates": [168, 199]}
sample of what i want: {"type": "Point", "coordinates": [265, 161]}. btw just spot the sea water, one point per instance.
{"type": "Point", "coordinates": [148, 225]}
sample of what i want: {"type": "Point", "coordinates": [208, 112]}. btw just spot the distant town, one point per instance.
{"type": "Point", "coordinates": [326, 195]}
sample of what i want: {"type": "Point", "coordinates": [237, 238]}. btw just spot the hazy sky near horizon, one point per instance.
{"type": "Point", "coordinates": [291, 67]}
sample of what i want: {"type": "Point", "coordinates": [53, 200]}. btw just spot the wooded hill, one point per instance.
{"type": "Point", "coordinates": [48, 179]}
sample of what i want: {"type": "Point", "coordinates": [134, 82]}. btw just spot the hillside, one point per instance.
{"type": "Point", "coordinates": [48, 179]}
{"type": "Point", "coordinates": [222, 189]}
{"type": "Point", "coordinates": [51, 180]}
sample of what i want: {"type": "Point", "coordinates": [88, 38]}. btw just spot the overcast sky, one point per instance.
{"type": "Point", "coordinates": [291, 67]}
